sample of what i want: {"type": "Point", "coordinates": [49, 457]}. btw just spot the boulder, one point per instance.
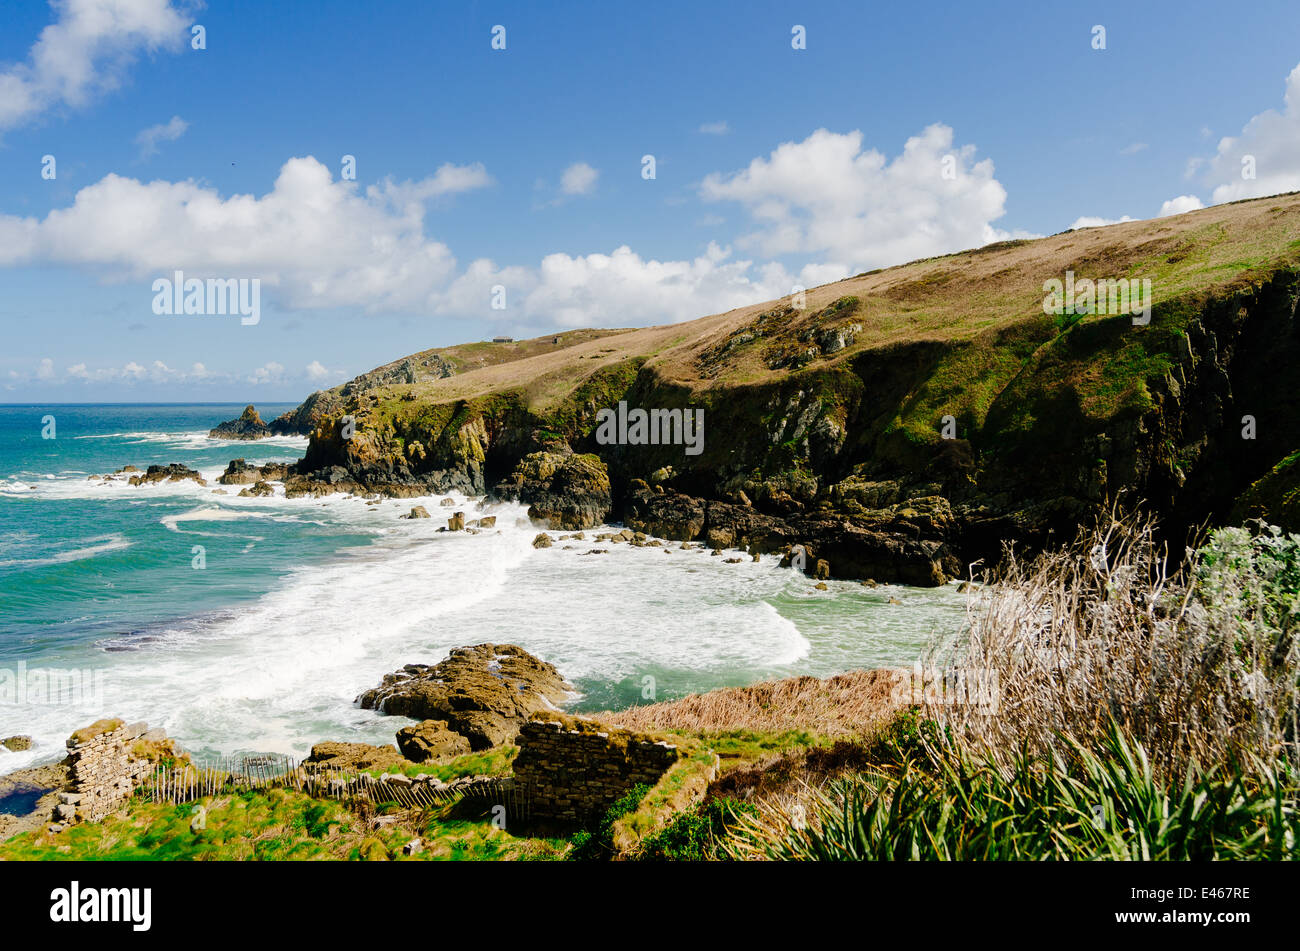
{"type": "Point", "coordinates": [260, 489]}
{"type": "Point", "coordinates": [17, 744]}
{"type": "Point", "coordinates": [542, 541]}
{"type": "Point", "coordinates": [431, 740]}
{"type": "Point", "coordinates": [482, 692]}
{"type": "Point", "coordinates": [418, 511]}
{"type": "Point", "coordinates": [457, 522]}
{"type": "Point", "coordinates": [353, 756]}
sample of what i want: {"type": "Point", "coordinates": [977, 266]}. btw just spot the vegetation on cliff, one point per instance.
{"type": "Point", "coordinates": [943, 379]}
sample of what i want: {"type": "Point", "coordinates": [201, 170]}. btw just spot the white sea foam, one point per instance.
{"type": "Point", "coordinates": [283, 672]}
{"type": "Point", "coordinates": [93, 547]}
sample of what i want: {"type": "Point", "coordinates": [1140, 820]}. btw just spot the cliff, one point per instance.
{"type": "Point", "coordinates": [899, 425]}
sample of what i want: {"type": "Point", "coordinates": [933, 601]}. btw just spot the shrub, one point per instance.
{"type": "Point", "coordinates": [693, 834]}
{"type": "Point", "coordinates": [592, 845]}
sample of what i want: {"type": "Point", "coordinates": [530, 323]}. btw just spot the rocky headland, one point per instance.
{"type": "Point", "coordinates": [899, 425]}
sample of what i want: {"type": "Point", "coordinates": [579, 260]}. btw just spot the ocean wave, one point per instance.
{"type": "Point", "coordinates": [94, 547]}
{"type": "Point", "coordinates": [197, 440]}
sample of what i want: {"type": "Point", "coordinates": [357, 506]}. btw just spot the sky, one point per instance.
{"type": "Point", "coordinates": [394, 176]}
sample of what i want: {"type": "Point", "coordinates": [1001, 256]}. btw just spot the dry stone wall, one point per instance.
{"type": "Point", "coordinates": [104, 769]}
{"type": "Point", "coordinates": [573, 776]}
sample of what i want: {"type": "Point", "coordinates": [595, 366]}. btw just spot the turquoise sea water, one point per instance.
{"type": "Point", "coordinates": [296, 606]}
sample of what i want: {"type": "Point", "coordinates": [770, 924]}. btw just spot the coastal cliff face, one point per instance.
{"type": "Point", "coordinates": [898, 425]}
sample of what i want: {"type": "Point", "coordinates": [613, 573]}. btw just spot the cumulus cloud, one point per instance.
{"type": "Point", "coordinates": [612, 290]}
{"type": "Point", "coordinates": [84, 53]}
{"type": "Point", "coordinates": [1176, 206]}
{"type": "Point", "coordinates": [169, 131]}
{"type": "Point", "coordinates": [827, 195]}
{"type": "Point", "coordinates": [578, 179]}
{"type": "Point", "coordinates": [315, 241]}
{"type": "Point", "coordinates": [317, 371]}
{"type": "Point", "coordinates": [1270, 142]}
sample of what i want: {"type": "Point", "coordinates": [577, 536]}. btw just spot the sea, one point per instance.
{"type": "Point", "coordinates": [252, 624]}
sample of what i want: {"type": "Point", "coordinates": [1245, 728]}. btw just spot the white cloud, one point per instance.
{"type": "Point", "coordinates": [1272, 140]}
{"type": "Point", "coordinates": [1176, 206]}
{"type": "Point", "coordinates": [578, 179]}
{"type": "Point", "coordinates": [314, 241]}
{"type": "Point", "coordinates": [1133, 149]}
{"type": "Point", "coordinates": [317, 371]}
{"type": "Point", "coordinates": [448, 180]}
{"type": "Point", "coordinates": [271, 372]}
{"type": "Point", "coordinates": [85, 52]}
{"type": "Point", "coordinates": [169, 131]}
{"type": "Point", "coordinates": [620, 289]}
{"type": "Point", "coordinates": [1092, 221]}
{"type": "Point", "coordinates": [159, 372]}
{"type": "Point", "coordinates": [715, 128]}
{"type": "Point", "coordinates": [827, 196]}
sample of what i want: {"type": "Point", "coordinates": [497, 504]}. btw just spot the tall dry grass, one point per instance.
{"type": "Point", "coordinates": [849, 703]}
{"type": "Point", "coordinates": [1196, 661]}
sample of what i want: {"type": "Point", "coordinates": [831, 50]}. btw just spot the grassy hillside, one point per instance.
{"type": "Point", "coordinates": [940, 379]}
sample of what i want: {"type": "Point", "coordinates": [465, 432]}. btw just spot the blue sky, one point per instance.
{"type": "Point", "coordinates": [522, 168]}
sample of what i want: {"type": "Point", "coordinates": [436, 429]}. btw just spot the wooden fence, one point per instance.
{"type": "Point", "coordinates": [235, 774]}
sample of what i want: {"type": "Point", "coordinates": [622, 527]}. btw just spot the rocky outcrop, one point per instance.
{"type": "Point", "coordinates": [258, 490]}
{"type": "Point", "coordinates": [17, 744]}
{"type": "Point", "coordinates": [908, 543]}
{"type": "Point", "coordinates": [482, 692]}
{"type": "Point", "coordinates": [174, 472]}
{"type": "Point", "coordinates": [239, 472]}
{"type": "Point", "coordinates": [249, 425]}
{"type": "Point", "coordinates": [569, 491]}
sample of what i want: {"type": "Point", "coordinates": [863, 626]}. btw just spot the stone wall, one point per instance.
{"type": "Point", "coordinates": [574, 775]}
{"type": "Point", "coordinates": [105, 769]}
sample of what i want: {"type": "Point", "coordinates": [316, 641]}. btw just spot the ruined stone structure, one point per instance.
{"type": "Point", "coordinates": [574, 775]}
{"type": "Point", "coordinates": [108, 760]}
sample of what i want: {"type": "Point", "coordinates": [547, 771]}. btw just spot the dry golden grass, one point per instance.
{"type": "Point", "coordinates": [849, 703]}
{"type": "Point", "coordinates": [1107, 629]}
{"type": "Point", "coordinates": [954, 297]}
